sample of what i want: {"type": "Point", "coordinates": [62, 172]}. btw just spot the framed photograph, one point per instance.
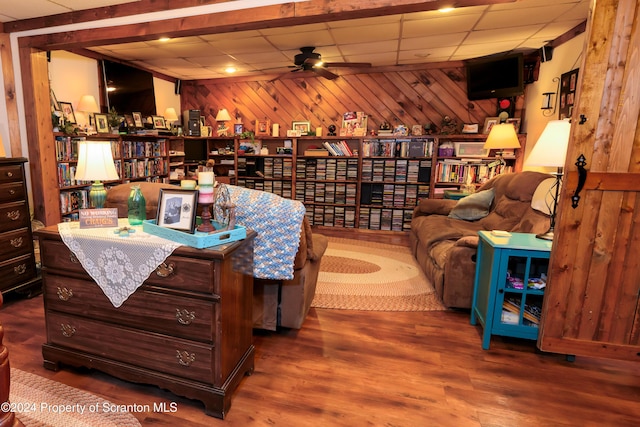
{"type": "Point", "coordinates": [237, 128]}
{"type": "Point", "coordinates": [102, 124]}
{"type": "Point", "coordinates": [137, 120]}
{"type": "Point", "coordinates": [54, 101]}
{"type": "Point", "coordinates": [416, 130]}
{"type": "Point", "coordinates": [568, 85]}
{"type": "Point", "coordinates": [516, 123]}
{"type": "Point", "coordinates": [128, 119]}
{"type": "Point", "coordinates": [177, 209]}
{"type": "Point", "coordinates": [67, 111]}
{"type": "Point", "coordinates": [303, 127]}
{"type": "Point", "coordinates": [263, 127]}
{"type": "Point", "coordinates": [158, 122]}
{"type": "Point", "coordinates": [489, 122]}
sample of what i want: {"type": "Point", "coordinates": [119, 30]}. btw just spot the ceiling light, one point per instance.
{"type": "Point", "coordinates": [111, 89]}
{"type": "Point", "coordinates": [164, 39]}
{"type": "Point", "coordinates": [446, 9]}
{"type": "Point", "coordinates": [230, 70]}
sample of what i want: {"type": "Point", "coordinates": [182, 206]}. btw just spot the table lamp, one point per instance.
{"type": "Point", "coordinates": [2, 152]}
{"type": "Point", "coordinates": [551, 151]}
{"type": "Point", "coordinates": [89, 106]}
{"type": "Point", "coordinates": [502, 137]}
{"type": "Point", "coordinates": [95, 163]}
{"type": "Point", "coordinates": [223, 116]}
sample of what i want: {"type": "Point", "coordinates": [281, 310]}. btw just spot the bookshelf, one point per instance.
{"type": "Point", "coordinates": [374, 183]}
{"type": "Point", "coordinates": [136, 157]}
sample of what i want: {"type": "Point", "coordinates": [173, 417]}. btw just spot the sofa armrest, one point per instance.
{"type": "Point", "coordinates": [434, 207]}
{"type": "Point", "coordinates": [468, 242]}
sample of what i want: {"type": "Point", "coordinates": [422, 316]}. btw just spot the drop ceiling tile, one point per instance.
{"type": "Point", "coordinates": [243, 45]}
{"type": "Point", "coordinates": [380, 59]}
{"type": "Point", "coordinates": [553, 30]}
{"type": "Point", "coordinates": [374, 47]}
{"type": "Point", "coordinates": [227, 36]}
{"type": "Point", "coordinates": [478, 50]}
{"type": "Point", "coordinates": [30, 9]}
{"type": "Point", "coordinates": [259, 58]}
{"type": "Point", "coordinates": [439, 26]}
{"type": "Point", "coordinates": [175, 41]}
{"type": "Point", "coordinates": [296, 40]}
{"type": "Point", "coordinates": [365, 22]}
{"type": "Point", "coordinates": [432, 41]}
{"type": "Point", "coordinates": [502, 34]}
{"type": "Point", "coordinates": [140, 54]}
{"type": "Point", "coordinates": [418, 56]}
{"type": "Point", "coordinates": [520, 4]}
{"type": "Point", "coordinates": [213, 61]}
{"type": "Point", "coordinates": [519, 17]}
{"type": "Point", "coordinates": [84, 4]}
{"type": "Point", "coordinates": [471, 10]}
{"type": "Point", "coordinates": [293, 29]}
{"type": "Point", "coordinates": [190, 49]}
{"type": "Point", "coordinates": [365, 34]}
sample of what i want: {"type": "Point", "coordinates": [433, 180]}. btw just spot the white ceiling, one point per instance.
{"type": "Point", "coordinates": [382, 41]}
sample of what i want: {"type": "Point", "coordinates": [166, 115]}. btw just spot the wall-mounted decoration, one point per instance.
{"type": "Point", "coordinates": [303, 127]}
{"type": "Point", "coordinates": [263, 127]}
{"type": "Point", "coordinates": [568, 85]}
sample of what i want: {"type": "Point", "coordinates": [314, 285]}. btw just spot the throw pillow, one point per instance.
{"type": "Point", "coordinates": [474, 206]}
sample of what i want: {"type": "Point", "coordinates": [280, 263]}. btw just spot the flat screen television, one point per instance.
{"type": "Point", "coordinates": [495, 76]}
{"type": "Point", "coordinates": [131, 89]}
{"type": "Point", "coordinates": [195, 151]}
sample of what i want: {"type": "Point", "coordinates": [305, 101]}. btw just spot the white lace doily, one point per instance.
{"type": "Point", "coordinates": [119, 265]}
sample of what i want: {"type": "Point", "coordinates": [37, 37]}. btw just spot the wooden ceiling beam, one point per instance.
{"type": "Point", "coordinates": [313, 11]}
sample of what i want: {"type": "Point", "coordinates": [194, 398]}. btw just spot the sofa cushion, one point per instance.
{"type": "Point", "coordinates": [474, 206]}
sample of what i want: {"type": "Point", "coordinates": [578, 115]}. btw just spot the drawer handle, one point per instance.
{"type": "Point", "coordinates": [10, 174]}
{"type": "Point", "coordinates": [13, 215]}
{"type": "Point", "coordinates": [185, 358]}
{"type": "Point", "coordinates": [12, 192]}
{"type": "Point", "coordinates": [67, 330]}
{"type": "Point", "coordinates": [165, 270]}
{"type": "Point", "coordinates": [73, 258]}
{"type": "Point", "coordinates": [184, 316]}
{"type": "Point", "coordinates": [20, 269]}
{"type": "Point", "coordinates": [17, 242]}
{"type": "Point", "coordinates": [64, 294]}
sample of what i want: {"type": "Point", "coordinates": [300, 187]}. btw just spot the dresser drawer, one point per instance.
{"type": "Point", "coordinates": [15, 243]}
{"type": "Point", "coordinates": [10, 173]}
{"type": "Point", "coordinates": [176, 272]}
{"type": "Point", "coordinates": [12, 191]}
{"type": "Point", "coordinates": [17, 270]}
{"type": "Point", "coordinates": [188, 318]}
{"type": "Point", "coordinates": [14, 215]}
{"type": "Point", "coordinates": [154, 351]}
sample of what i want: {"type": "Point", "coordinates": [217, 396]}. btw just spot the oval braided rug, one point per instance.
{"type": "Point", "coordinates": [42, 402]}
{"type": "Point", "coordinates": [357, 275]}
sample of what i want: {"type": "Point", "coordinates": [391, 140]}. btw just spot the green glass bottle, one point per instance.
{"type": "Point", "coordinates": [137, 206]}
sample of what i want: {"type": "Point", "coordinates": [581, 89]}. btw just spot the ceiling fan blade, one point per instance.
{"type": "Point", "coordinates": [347, 64]}
{"type": "Point", "coordinates": [325, 73]}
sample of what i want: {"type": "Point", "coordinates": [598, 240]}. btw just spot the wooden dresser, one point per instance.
{"type": "Point", "coordinates": [187, 329]}
{"type": "Point", "coordinates": [17, 260]}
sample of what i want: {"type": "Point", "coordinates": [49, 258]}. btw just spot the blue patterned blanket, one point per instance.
{"type": "Point", "coordinates": [278, 222]}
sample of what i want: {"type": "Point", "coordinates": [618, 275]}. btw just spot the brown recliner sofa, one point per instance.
{"type": "Point", "coordinates": [276, 303]}
{"type": "Point", "coordinates": [446, 247]}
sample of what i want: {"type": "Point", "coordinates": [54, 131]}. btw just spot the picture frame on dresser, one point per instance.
{"type": "Point", "coordinates": [102, 123]}
{"type": "Point", "coordinates": [488, 124]}
{"type": "Point", "coordinates": [67, 111]}
{"type": "Point", "coordinates": [177, 209]}
{"type": "Point", "coordinates": [137, 119]}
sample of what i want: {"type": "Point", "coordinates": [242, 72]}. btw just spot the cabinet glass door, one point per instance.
{"type": "Point", "coordinates": [519, 302]}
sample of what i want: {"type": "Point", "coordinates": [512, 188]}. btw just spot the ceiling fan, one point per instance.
{"type": "Point", "coordinates": [308, 60]}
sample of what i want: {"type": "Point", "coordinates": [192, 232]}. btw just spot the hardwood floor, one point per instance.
{"type": "Point", "coordinates": [352, 368]}
{"type": "Point", "coordinates": [348, 368]}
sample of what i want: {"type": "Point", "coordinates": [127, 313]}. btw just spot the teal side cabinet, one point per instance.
{"type": "Point", "coordinates": [511, 274]}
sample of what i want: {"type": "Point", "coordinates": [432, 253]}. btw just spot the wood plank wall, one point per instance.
{"type": "Point", "coordinates": [399, 95]}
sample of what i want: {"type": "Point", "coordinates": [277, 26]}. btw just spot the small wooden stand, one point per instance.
{"type": "Point", "coordinates": [206, 226]}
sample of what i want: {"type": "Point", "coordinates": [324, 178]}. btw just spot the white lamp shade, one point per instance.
{"type": "Point", "coordinates": [88, 104]}
{"type": "Point", "coordinates": [551, 148]}
{"type": "Point", "coordinates": [502, 136]}
{"type": "Point", "coordinates": [223, 116]}
{"type": "Point", "coordinates": [170, 114]}
{"type": "Point", "coordinates": [95, 162]}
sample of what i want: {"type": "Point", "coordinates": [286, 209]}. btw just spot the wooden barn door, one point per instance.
{"type": "Point", "coordinates": [591, 303]}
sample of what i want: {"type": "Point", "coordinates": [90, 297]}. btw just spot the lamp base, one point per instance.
{"type": "Point", "coordinates": [97, 195]}
{"type": "Point", "coordinates": [547, 235]}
